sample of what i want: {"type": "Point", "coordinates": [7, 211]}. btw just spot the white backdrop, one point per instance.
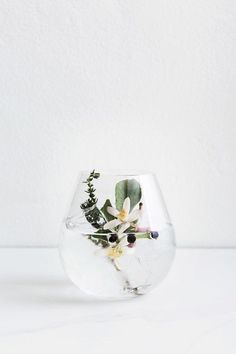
{"type": "Point", "coordinates": [118, 84]}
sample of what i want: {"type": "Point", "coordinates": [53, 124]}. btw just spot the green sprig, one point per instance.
{"type": "Point", "coordinates": [92, 200]}
{"type": "Point", "coordinates": [91, 211]}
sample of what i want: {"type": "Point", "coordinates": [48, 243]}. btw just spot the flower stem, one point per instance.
{"type": "Point", "coordinates": [116, 265]}
{"type": "Point", "coordinates": [127, 285]}
{"type": "Point", "coordinates": [140, 235]}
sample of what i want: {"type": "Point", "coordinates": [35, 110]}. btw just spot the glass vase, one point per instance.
{"type": "Point", "coordinates": [117, 239]}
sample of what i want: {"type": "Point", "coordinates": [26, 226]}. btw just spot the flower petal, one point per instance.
{"type": "Point", "coordinates": [123, 240]}
{"type": "Point", "coordinates": [134, 215]}
{"type": "Point", "coordinates": [115, 252]}
{"type": "Point", "coordinates": [126, 205]}
{"type": "Point", "coordinates": [123, 227]}
{"type": "Point", "coordinates": [112, 224]}
{"type": "Point", "coordinates": [112, 211]}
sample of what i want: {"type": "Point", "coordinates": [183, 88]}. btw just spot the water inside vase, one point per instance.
{"type": "Point", "coordinates": [134, 271]}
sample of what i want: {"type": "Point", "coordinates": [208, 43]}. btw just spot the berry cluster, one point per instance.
{"type": "Point", "coordinates": [131, 238]}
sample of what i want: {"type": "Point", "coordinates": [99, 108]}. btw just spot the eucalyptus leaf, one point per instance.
{"type": "Point", "coordinates": [128, 188]}
{"type": "Point", "coordinates": [108, 216]}
{"type": "Point", "coordinates": [94, 217]}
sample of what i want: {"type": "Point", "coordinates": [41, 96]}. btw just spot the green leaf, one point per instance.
{"type": "Point", "coordinates": [128, 188]}
{"type": "Point", "coordinates": [108, 216]}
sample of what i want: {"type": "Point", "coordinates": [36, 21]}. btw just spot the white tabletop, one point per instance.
{"type": "Point", "coordinates": [192, 311]}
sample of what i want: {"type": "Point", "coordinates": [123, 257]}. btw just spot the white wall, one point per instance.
{"type": "Point", "coordinates": [118, 84]}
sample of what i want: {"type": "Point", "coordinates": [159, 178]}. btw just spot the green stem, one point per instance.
{"type": "Point", "coordinates": [143, 235]}
{"type": "Point", "coordinates": [139, 235]}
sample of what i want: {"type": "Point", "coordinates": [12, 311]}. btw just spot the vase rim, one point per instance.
{"type": "Point", "coordinates": [120, 172]}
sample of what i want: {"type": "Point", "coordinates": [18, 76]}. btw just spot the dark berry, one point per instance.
{"type": "Point", "coordinates": [154, 234]}
{"type": "Point", "coordinates": [113, 238]}
{"type": "Point", "coordinates": [131, 238]}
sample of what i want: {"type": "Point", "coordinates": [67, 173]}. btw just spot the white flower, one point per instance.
{"type": "Point", "coordinates": [123, 218]}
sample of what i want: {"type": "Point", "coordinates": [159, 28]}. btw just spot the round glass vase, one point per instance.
{"type": "Point", "coordinates": [117, 239]}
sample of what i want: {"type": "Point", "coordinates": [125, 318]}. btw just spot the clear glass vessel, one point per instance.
{"type": "Point", "coordinates": [117, 239]}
